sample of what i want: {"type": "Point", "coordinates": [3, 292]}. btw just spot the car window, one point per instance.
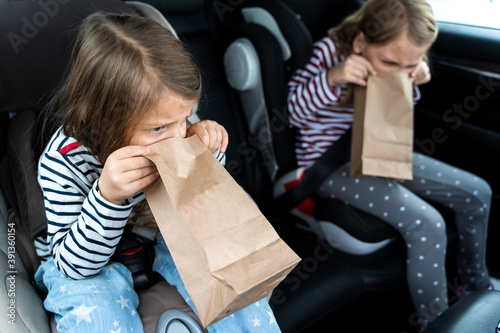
{"type": "Point", "coordinates": [484, 13]}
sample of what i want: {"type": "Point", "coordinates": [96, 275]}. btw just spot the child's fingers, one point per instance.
{"type": "Point", "coordinates": [357, 76]}
{"type": "Point", "coordinates": [213, 135]}
{"type": "Point", "coordinates": [121, 171]}
{"type": "Point", "coordinates": [366, 64]}
{"type": "Point", "coordinates": [357, 69]}
{"type": "Point", "coordinates": [130, 151]}
{"type": "Point", "coordinates": [224, 141]}
{"type": "Point", "coordinates": [147, 176]}
{"type": "Point", "coordinates": [420, 77]}
{"type": "Point", "coordinates": [219, 139]}
{"type": "Point", "coordinates": [132, 175]}
{"type": "Point", "coordinates": [421, 74]}
{"type": "Point", "coordinates": [205, 138]}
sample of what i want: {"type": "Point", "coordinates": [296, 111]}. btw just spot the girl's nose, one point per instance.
{"type": "Point", "coordinates": [409, 70]}
{"type": "Point", "coordinates": [180, 131]}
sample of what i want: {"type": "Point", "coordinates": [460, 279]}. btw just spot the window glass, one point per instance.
{"type": "Point", "coordinates": [484, 13]}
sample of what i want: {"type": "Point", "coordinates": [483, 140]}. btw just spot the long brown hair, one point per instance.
{"type": "Point", "coordinates": [382, 21]}
{"type": "Point", "coordinates": [119, 68]}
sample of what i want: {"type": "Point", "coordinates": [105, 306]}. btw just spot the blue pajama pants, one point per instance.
{"type": "Point", "coordinates": [402, 205]}
{"type": "Point", "coordinates": [108, 302]}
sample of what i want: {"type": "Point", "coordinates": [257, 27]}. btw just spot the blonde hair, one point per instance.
{"type": "Point", "coordinates": [382, 21]}
{"type": "Point", "coordinates": [120, 67]}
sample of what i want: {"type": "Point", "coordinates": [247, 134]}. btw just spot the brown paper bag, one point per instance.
{"type": "Point", "coordinates": [227, 253]}
{"type": "Point", "coordinates": [382, 130]}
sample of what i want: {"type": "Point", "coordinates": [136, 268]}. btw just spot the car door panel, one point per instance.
{"type": "Point", "coordinates": [457, 119]}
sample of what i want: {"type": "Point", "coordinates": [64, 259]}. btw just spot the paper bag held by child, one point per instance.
{"type": "Point", "coordinates": [227, 253]}
{"type": "Point", "coordinates": [382, 132]}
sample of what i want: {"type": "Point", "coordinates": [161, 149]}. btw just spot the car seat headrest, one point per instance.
{"type": "Point", "coordinates": [187, 16]}
{"type": "Point", "coordinates": [270, 42]}
{"type": "Point", "coordinates": [178, 7]}
{"type": "Point", "coordinates": [242, 65]}
{"type": "Point", "coordinates": [153, 13]}
{"type": "Point", "coordinates": [36, 46]}
{"type": "Point", "coordinates": [292, 31]}
{"type": "Point", "coordinates": [262, 17]}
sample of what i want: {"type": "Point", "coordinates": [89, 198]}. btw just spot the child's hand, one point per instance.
{"type": "Point", "coordinates": [125, 172]}
{"type": "Point", "coordinates": [212, 134]}
{"type": "Point", "coordinates": [354, 69]}
{"type": "Point", "coordinates": [421, 74]}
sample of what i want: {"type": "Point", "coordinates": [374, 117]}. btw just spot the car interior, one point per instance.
{"type": "Point", "coordinates": [352, 273]}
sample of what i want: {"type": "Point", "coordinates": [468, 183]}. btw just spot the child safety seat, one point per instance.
{"type": "Point", "coordinates": [270, 42]}
{"type": "Point", "coordinates": [33, 56]}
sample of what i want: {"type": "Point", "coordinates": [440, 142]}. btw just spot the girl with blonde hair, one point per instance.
{"type": "Point", "coordinates": [390, 36]}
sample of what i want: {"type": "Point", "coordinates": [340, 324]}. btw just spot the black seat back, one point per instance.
{"type": "Point", "coordinates": [35, 47]}
{"type": "Point", "coordinates": [274, 42]}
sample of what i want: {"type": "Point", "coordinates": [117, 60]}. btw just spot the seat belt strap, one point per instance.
{"type": "Point", "coordinates": [337, 155]}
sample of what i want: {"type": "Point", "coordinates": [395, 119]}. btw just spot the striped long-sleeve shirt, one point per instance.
{"type": "Point", "coordinates": [314, 105]}
{"type": "Point", "coordinates": [83, 228]}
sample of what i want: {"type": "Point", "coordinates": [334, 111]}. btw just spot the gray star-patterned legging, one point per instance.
{"type": "Point", "coordinates": [402, 205]}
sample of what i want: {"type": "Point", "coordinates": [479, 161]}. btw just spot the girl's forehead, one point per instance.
{"type": "Point", "coordinates": [402, 47]}
{"type": "Point", "coordinates": [171, 107]}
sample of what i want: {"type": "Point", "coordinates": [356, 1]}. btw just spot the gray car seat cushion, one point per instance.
{"type": "Point", "coordinates": [21, 307]}
{"type": "Point", "coordinates": [153, 302]}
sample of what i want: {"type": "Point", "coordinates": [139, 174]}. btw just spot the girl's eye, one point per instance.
{"type": "Point", "coordinates": [390, 63]}
{"type": "Point", "coordinates": [157, 129]}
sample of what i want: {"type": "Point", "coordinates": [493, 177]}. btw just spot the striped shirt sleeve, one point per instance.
{"type": "Point", "coordinates": [220, 156]}
{"type": "Point", "coordinates": [308, 89]}
{"type": "Point", "coordinates": [83, 229]}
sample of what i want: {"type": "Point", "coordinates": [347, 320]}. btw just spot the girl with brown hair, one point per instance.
{"type": "Point", "coordinates": [131, 83]}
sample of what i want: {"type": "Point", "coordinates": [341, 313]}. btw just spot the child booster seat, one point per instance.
{"type": "Point", "coordinates": [271, 42]}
